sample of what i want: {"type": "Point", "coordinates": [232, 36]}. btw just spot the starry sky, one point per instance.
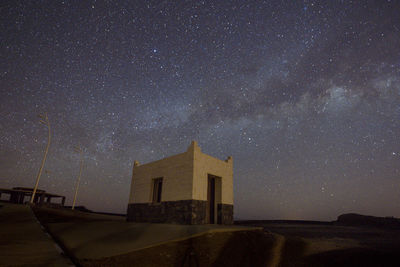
{"type": "Point", "coordinates": [305, 95]}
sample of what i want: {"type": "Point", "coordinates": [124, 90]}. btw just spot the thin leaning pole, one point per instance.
{"type": "Point", "coordinates": [78, 149]}
{"type": "Point", "coordinates": [44, 120]}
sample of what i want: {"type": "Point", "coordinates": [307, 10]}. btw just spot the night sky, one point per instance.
{"type": "Point", "coordinates": [305, 96]}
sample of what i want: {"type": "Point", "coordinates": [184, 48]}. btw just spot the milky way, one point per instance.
{"type": "Point", "coordinates": [305, 96]}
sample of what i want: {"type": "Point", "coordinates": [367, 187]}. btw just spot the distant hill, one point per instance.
{"type": "Point", "coordinates": [353, 219]}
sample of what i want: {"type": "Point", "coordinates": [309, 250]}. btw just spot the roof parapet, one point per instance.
{"type": "Point", "coordinates": [193, 147]}
{"type": "Point", "coordinates": [229, 159]}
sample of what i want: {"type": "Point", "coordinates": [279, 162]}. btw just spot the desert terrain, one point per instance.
{"type": "Point", "coordinates": [60, 237]}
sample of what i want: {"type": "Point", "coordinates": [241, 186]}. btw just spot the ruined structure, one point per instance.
{"type": "Point", "coordinates": [188, 188]}
{"type": "Point", "coordinates": [20, 195]}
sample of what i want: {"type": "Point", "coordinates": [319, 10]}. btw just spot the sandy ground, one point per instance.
{"type": "Point", "coordinates": [22, 240]}
{"type": "Point", "coordinates": [241, 248]}
{"type": "Point", "coordinates": [93, 239]}
{"type": "Point", "coordinates": [332, 245]}
{"type": "Point", "coordinates": [104, 240]}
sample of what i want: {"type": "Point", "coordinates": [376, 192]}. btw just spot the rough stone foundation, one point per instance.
{"type": "Point", "coordinates": [225, 214]}
{"type": "Point", "coordinates": [179, 212]}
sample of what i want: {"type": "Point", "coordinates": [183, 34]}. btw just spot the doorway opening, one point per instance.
{"type": "Point", "coordinates": [157, 189]}
{"type": "Point", "coordinates": [213, 198]}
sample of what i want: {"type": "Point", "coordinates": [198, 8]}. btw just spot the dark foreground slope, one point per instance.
{"type": "Point", "coordinates": [22, 240]}
{"type": "Point", "coordinates": [244, 248]}
{"type": "Point", "coordinates": [94, 240]}
{"type": "Point", "coordinates": [332, 244]}
{"type": "Point", "coordinates": [101, 240]}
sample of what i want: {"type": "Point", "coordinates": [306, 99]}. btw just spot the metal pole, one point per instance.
{"type": "Point", "coordinates": [47, 123]}
{"type": "Point", "coordinates": [79, 178]}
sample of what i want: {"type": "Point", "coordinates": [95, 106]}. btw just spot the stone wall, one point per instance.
{"type": "Point", "coordinates": [225, 214]}
{"type": "Point", "coordinates": [179, 212]}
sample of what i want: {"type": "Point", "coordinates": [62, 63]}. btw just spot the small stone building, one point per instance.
{"type": "Point", "coordinates": [188, 188]}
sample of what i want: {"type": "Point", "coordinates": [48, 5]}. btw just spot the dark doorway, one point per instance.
{"type": "Point", "coordinates": [157, 189]}
{"type": "Point", "coordinates": [211, 199]}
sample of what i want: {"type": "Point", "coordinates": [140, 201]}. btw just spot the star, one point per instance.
{"type": "Point", "coordinates": [304, 97]}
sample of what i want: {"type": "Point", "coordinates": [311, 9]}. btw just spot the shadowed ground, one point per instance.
{"type": "Point", "coordinates": [332, 245]}
{"type": "Point", "coordinates": [242, 248]}
{"type": "Point", "coordinates": [23, 242]}
{"type": "Point", "coordinates": [104, 240]}
{"type": "Point", "coordinates": [101, 240]}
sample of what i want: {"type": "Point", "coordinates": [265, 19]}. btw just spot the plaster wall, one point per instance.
{"type": "Point", "coordinates": [185, 176]}
{"type": "Point", "coordinates": [177, 174]}
{"type": "Point", "coordinates": [204, 165]}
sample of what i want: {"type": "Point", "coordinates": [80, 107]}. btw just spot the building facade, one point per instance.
{"type": "Point", "coordinates": [188, 188]}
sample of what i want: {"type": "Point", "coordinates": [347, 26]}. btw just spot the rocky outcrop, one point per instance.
{"type": "Point", "coordinates": [353, 219]}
